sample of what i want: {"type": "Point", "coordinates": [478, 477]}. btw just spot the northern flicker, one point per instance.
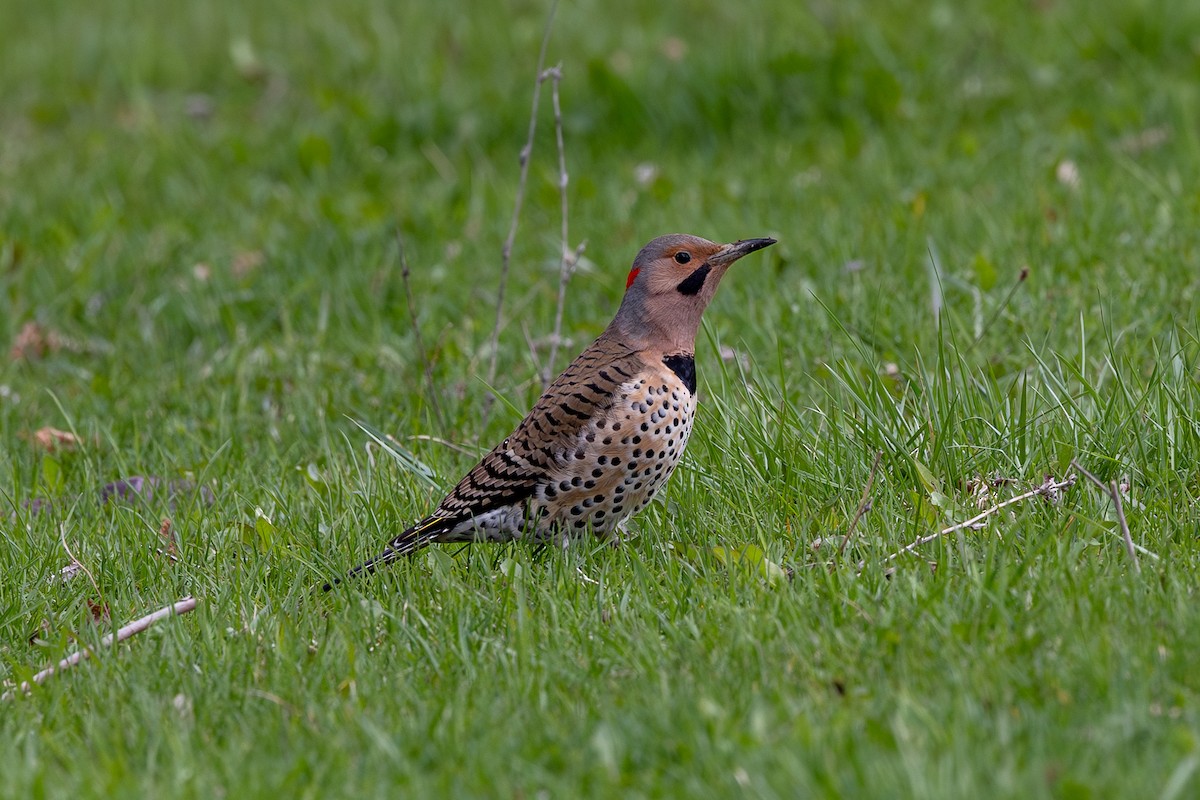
{"type": "Point", "coordinates": [608, 432]}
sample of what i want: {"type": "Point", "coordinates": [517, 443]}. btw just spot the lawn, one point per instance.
{"type": "Point", "coordinates": [988, 269]}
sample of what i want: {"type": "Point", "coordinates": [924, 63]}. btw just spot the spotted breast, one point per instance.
{"type": "Point", "coordinates": [622, 457]}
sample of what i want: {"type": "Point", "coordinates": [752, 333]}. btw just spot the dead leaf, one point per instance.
{"type": "Point", "coordinates": [53, 439]}
{"type": "Point", "coordinates": [99, 611]}
{"type": "Point", "coordinates": [34, 342]}
{"type": "Point", "coordinates": [246, 262]}
{"type": "Point", "coordinates": [168, 536]}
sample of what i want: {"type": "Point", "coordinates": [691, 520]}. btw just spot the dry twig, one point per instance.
{"type": "Point", "coordinates": [533, 349]}
{"type": "Point", "coordinates": [132, 629]}
{"type": "Point", "coordinates": [998, 310]}
{"type": "Point", "coordinates": [1049, 488]}
{"type": "Point", "coordinates": [864, 504]}
{"type": "Point", "coordinates": [1114, 492]}
{"type": "Point", "coordinates": [567, 262]}
{"type": "Point", "coordinates": [62, 533]}
{"type": "Point", "coordinates": [526, 151]}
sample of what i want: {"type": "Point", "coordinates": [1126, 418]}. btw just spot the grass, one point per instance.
{"type": "Point", "coordinates": [198, 205]}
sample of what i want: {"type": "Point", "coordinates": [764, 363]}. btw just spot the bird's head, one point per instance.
{"type": "Point", "coordinates": [672, 281]}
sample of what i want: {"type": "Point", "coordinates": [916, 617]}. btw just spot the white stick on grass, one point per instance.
{"type": "Point", "coordinates": [132, 629]}
{"type": "Point", "coordinates": [1047, 489]}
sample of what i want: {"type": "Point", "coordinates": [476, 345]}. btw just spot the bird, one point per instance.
{"type": "Point", "coordinates": [608, 432]}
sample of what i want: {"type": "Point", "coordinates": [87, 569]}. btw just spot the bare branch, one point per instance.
{"type": "Point", "coordinates": [998, 310]}
{"type": "Point", "coordinates": [864, 504]}
{"type": "Point", "coordinates": [526, 151]}
{"type": "Point", "coordinates": [567, 262]}
{"type": "Point", "coordinates": [1049, 488]}
{"type": "Point", "coordinates": [1113, 490]}
{"type": "Point", "coordinates": [132, 629]}
{"type": "Point", "coordinates": [467, 451]}
{"type": "Point", "coordinates": [426, 364]}
{"type": "Point", "coordinates": [62, 532]}
{"type": "Point", "coordinates": [533, 349]}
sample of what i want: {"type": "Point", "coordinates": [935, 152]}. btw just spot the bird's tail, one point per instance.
{"type": "Point", "coordinates": [413, 540]}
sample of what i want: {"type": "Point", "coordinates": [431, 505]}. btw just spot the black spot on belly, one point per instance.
{"type": "Point", "coordinates": [684, 366]}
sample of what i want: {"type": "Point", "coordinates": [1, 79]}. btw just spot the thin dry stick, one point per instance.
{"type": "Point", "coordinates": [566, 266]}
{"type": "Point", "coordinates": [864, 505]}
{"type": "Point", "coordinates": [533, 348]}
{"type": "Point", "coordinates": [472, 452]}
{"type": "Point", "coordinates": [1114, 492]}
{"type": "Point", "coordinates": [62, 532]}
{"type": "Point", "coordinates": [526, 151]}
{"type": "Point", "coordinates": [987, 326]}
{"type": "Point", "coordinates": [426, 364]}
{"type": "Point", "coordinates": [1047, 489]}
{"type": "Point", "coordinates": [132, 629]}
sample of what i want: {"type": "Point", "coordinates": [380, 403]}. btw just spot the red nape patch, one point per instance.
{"type": "Point", "coordinates": [632, 277]}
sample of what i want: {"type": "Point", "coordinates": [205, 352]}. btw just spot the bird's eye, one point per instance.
{"type": "Point", "coordinates": [683, 257]}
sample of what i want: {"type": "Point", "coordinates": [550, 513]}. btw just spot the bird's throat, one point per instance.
{"type": "Point", "coordinates": [684, 366]}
